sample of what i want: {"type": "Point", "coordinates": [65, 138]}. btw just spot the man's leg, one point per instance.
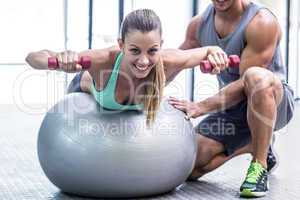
{"type": "Point", "coordinates": [264, 93]}
{"type": "Point", "coordinates": [222, 136]}
{"type": "Point", "coordinates": [207, 150]}
{"type": "Point", "coordinates": [217, 161]}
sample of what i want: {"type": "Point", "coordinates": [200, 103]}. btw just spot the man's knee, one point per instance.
{"type": "Point", "coordinates": [256, 79]}
{"type": "Point", "coordinates": [261, 84]}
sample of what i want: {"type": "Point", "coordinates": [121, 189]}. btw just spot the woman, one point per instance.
{"type": "Point", "coordinates": [131, 75]}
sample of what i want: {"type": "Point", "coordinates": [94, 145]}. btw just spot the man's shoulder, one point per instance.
{"type": "Point", "coordinates": [263, 30]}
{"type": "Point", "coordinates": [191, 40]}
{"type": "Point", "coordinates": [263, 17]}
{"type": "Point", "coordinates": [263, 22]}
{"type": "Point", "coordinates": [201, 17]}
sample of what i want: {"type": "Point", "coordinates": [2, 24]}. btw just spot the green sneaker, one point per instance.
{"type": "Point", "coordinates": [256, 183]}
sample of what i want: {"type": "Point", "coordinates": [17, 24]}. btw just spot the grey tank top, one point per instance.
{"type": "Point", "coordinates": [235, 42]}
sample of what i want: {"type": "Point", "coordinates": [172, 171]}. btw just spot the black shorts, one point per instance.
{"type": "Point", "coordinates": [230, 127]}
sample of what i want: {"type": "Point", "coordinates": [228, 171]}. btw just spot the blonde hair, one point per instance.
{"type": "Point", "coordinates": [154, 92]}
{"type": "Point", "coordinates": [146, 20]}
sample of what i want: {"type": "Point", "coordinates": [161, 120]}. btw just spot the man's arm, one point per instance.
{"type": "Point", "coordinates": [262, 36]}
{"type": "Point", "coordinates": [191, 40]}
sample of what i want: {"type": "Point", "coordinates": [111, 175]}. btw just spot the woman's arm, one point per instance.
{"type": "Point", "coordinates": [176, 60]}
{"type": "Point", "coordinates": [39, 59]}
{"type": "Point", "coordinates": [68, 60]}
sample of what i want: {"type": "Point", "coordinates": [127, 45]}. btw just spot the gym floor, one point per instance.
{"type": "Point", "coordinates": [22, 178]}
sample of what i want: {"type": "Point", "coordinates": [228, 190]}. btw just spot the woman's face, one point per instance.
{"type": "Point", "coordinates": [141, 52]}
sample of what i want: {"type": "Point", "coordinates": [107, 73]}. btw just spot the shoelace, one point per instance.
{"type": "Point", "coordinates": [254, 172]}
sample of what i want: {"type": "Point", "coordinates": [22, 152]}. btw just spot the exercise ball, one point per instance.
{"type": "Point", "coordinates": [89, 151]}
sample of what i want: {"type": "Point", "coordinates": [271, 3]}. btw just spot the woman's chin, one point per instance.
{"type": "Point", "coordinates": [139, 73]}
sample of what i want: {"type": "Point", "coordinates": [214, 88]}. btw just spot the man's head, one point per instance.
{"type": "Point", "coordinates": [223, 5]}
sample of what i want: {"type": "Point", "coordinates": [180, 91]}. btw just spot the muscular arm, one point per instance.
{"type": "Point", "coordinates": [262, 36]}
{"type": "Point", "coordinates": [191, 40]}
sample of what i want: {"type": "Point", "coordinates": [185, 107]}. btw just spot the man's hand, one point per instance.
{"type": "Point", "coordinates": [191, 109]}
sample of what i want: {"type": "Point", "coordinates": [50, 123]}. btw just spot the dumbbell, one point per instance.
{"type": "Point", "coordinates": [206, 67]}
{"type": "Point", "coordinates": [84, 61]}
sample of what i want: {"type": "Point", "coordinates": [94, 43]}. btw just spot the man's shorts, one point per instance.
{"type": "Point", "coordinates": [230, 126]}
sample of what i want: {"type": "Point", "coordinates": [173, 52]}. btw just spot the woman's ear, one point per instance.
{"type": "Point", "coordinates": [121, 43]}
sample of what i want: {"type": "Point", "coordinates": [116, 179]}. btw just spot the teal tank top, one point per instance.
{"type": "Point", "coordinates": [106, 97]}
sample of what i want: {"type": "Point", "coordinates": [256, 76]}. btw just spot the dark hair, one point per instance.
{"type": "Point", "coordinates": [144, 20]}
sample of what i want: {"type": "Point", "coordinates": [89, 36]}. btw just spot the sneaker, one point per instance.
{"type": "Point", "coordinates": [272, 157]}
{"type": "Point", "coordinates": [256, 183]}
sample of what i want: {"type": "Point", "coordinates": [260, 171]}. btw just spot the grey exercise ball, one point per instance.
{"type": "Point", "coordinates": [89, 151]}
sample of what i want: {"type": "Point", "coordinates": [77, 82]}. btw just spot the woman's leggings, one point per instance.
{"type": "Point", "coordinates": [75, 83]}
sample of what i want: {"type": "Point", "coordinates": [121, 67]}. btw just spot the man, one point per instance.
{"type": "Point", "coordinates": [254, 99]}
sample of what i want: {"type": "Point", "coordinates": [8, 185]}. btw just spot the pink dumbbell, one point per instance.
{"type": "Point", "coordinates": [84, 61]}
{"type": "Point", "coordinates": [206, 67]}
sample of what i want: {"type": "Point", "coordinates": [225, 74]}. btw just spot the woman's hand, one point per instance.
{"type": "Point", "coordinates": [218, 59]}
{"type": "Point", "coordinates": [68, 61]}
{"type": "Point", "coordinates": [191, 109]}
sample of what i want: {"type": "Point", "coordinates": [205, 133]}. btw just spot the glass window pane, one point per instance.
{"type": "Point", "coordinates": [105, 23]}
{"type": "Point", "coordinates": [77, 25]}
{"type": "Point", "coordinates": [294, 46]}
{"type": "Point", "coordinates": [29, 25]}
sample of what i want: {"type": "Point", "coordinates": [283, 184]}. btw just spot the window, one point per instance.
{"type": "Point", "coordinates": [294, 46]}
{"type": "Point", "coordinates": [28, 26]}
{"type": "Point", "coordinates": [105, 23]}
